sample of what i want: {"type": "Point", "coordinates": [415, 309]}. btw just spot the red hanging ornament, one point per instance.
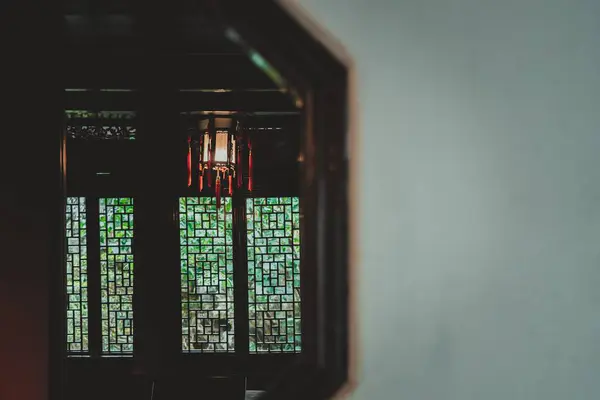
{"type": "Point", "coordinates": [239, 166]}
{"type": "Point", "coordinates": [201, 179]}
{"type": "Point", "coordinates": [218, 190]}
{"type": "Point", "coordinates": [249, 165]}
{"type": "Point", "coordinates": [209, 149]}
{"type": "Point", "coordinates": [189, 161]}
{"type": "Point", "coordinates": [230, 185]}
{"type": "Point", "coordinates": [201, 157]}
{"type": "Point", "coordinates": [208, 173]}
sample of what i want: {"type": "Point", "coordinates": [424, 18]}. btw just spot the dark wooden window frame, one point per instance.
{"type": "Point", "coordinates": [151, 277]}
{"type": "Point", "coordinates": [321, 80]}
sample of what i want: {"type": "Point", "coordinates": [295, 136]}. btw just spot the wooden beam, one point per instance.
{"type": "Point", "coordinates": [87, 69]}
{"type": "Point", "coordinates": [247, 101]}
{"type": "Point", "coordinates": [122, 33]}
{"type": "Point", "coordinates": [174, 7]}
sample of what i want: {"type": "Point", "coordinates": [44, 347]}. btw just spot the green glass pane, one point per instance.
{"type": "Point", "coordinates": [207, 276]}
{"type": "Point", "coordinates": [76, 276]}
{"type": "Point", "coordinates": [116, 275]}
{"type": "Point", "coordinates": [273, 272]}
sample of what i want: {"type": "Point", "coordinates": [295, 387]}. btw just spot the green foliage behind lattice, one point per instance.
{"type": "Point", "coordinates": [206, 245]}
{"type": "Point", "coordinates": [273, 241]}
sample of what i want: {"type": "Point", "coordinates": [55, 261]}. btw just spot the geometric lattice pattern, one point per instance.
{"type": "Point", "coordinates": [207, 300]}
{"type": "Point", "coordinates": [273, 226]}
{"type": "Point", "coordinates": [103, 125]}
{"type": "Point", "coordinates": [116, 275]}
{"type": "Point", "coordinates": [101, 132]}
{"type": "Point", "coordinates": [76, 274]}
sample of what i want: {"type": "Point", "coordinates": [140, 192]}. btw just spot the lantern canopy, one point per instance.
{"type": "Point", "coordinates": [219, 155]}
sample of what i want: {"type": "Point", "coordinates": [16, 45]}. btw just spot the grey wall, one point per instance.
{"type": "Point", "coordinates": [479, 266]}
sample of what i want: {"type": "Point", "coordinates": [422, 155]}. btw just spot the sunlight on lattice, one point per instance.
{"type": "Point", "coordinates": [206, 242]}
{"type": "Point", "coordinates": [273, 226]}
{"type": "Point", "coordinates": [116, 275]}
{"type": "Point", "coordinates": [76, 276]}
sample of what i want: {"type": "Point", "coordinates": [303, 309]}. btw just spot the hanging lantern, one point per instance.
{"type": "Point", "coordinates": [219, 154]}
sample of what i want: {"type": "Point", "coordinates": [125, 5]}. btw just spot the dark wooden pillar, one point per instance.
{"type": "Point", "coordinates": [30, 202]}
{"type": "Point", "coordinates": [157, 288]}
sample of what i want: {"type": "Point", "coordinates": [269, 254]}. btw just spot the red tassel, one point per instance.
{"type": "Point", "coordinates": [189, 161]}
{"type": "Point", "coordinates": [218, 190]}
{"type": "Point", "coordinates": [209, 174]}
{"type": "Point", "coordinates": [230, 185]}
{"type": "Point", "coordinates": [249, 166]}
{"type": "Point", "coordinates": [239, 165]}
{"type": "Point", "coordinates": [209, 166]}
{"type": "Point", "coordinates": [201, 180]}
